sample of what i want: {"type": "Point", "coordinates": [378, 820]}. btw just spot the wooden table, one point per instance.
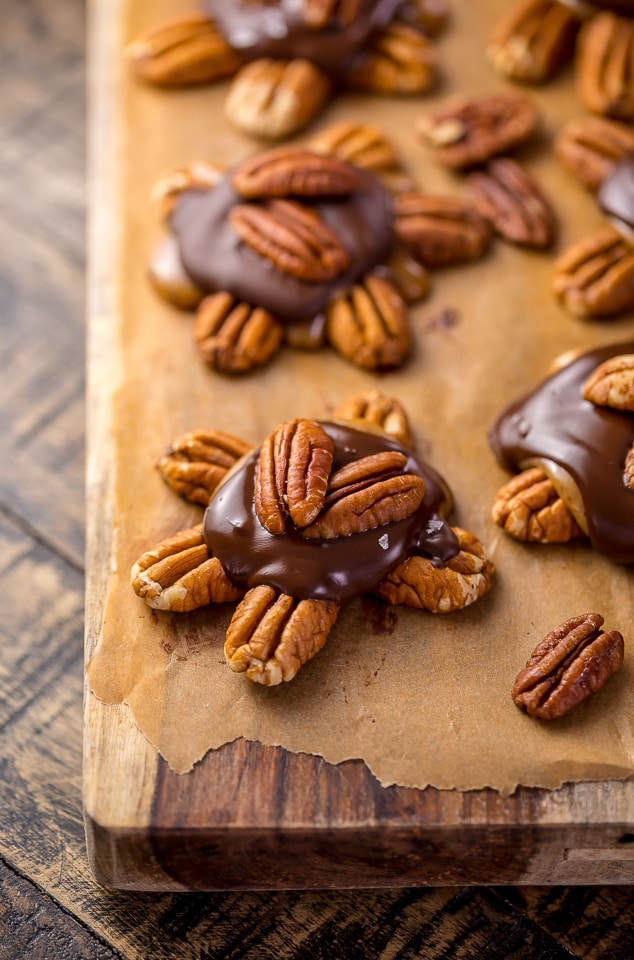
{"type": "Point", "coordinates": [50, 906]}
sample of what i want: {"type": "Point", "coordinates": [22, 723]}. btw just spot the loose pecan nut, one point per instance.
{"type": "Point", "coordinates": [591, 148]}
{"type": "Point", "coordinates": [510, 200]}
{"type": "Point", "coordinates": [440, 231]}
{"type": "Point", "coordinates": [292, 475]}
{"type": "Point", "coordinates": [184, 52]}
{"type": "Point", "coordinates": [611, 383]}
{"type": "Point", "coordinates": [294, 172]}
{"type": "Point", "coordinates": [272, 635]}
{"type": "Point", "coordinates": [397, 60]}
{"type": "Point", "coordinates": [572, 662]}
{"type": "Point", "coordinates": [595, 277]}
{"type": "Point", "coordinates": [179, 575]}
{"type": "Point", "coordinates": [366, 494]}
{"type": "Point", "coordinates": [419, 583]}
{"type": "Point", "coordinates": [274, 99]}
{"type": "Point", "coordinates": [468, 131]}
{"type": "Point", "coordinates": [368, 324]}
{"type": "Point", "coordinates": [331, 13]}
{"type": "Point", "coordinates": [533, 39]}
{"type": "Point", "coordinates": [293, 237]}
{"type": "Point", "coordinates": [360, 144]}
{"type": "Point", "coordinates": [234, 337]}
{"type": "Point", "coordinates": [603, 65]}
{"type": "Point", "coordinates": [196, 175]}
{"type": "Point", "coordinates": [197, 461]}
{"type": "Point", "coordinates": [376, 410]}
{"type": "Point", "coordinates": [530, 509]}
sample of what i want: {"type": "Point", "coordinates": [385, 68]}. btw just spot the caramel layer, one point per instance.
{"type": "Point", "coordinates": [616, 195]}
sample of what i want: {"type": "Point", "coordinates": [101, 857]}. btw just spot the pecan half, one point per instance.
{"type": "Point", "coordinates": [331, 13]}
{"type": "Point", "coordinates": [611, 384]}
{"type": "Point", "coordinates": [273, 99]}
{"type": "Point", "coordinates": [595, 276]}
{"type": "Point", "coordinates": [272, 635]}
{"type": "Point", "coordinates": [440, 231]}
{"type": "Point", "coordinates": [374, 409]}
{"type": "Point", "coordinates": [183, 52]}
{"type": "Point", "coordinates": [603, 65]}
{"type": "Point", "coordinates": [197, 461]}
{"type": "Point", "coordinates": [368, 324]}
{"type": "Point", "coordinates": [571, 662]}
{"type": "Point", "coordinates": [293, 237]}
{"type": "Point", "coordinates": [417, 582]}
{"type": "Point", "coordinates": [292, 475]}
{"type": "Point", "coordinates": [234, 337]}
{"type": "Point", "coordinates": [361, 144]}
{"type": "Point", "coordinates": [366, 494]}
{"type": "Point", "coordinates": [179, 575]}
{"type": "Point", "coordinates": [529, 509]}
{"type": "Point", "coordinates": [533, 39]}
{"type": "Point", "coordinates": [399, 59]}
{"type": "Point", "coordinates": [510, 200]}
{"type": "Point", "coordinates": [294, 172]}
{"type": "Point", "coordinates": [169, 278]}
{"type": "Point", "coordinates": [467, 131]}
{"type": "Point", "coordinates": [196, 175]}
{"type": "Point", "coordinates": [591, 148]}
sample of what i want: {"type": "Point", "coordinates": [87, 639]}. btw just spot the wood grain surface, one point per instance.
{"type": "Point", "coordinates": [50, 906]}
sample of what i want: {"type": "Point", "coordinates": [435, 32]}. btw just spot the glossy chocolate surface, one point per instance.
{"type": "Point", "coordinates": [616, 195]}
{"type": "Point", "coordinates": [216, 259]}
{"type": "Point", "coordinates": [278, 30]}
{"type": "Point", "coordinates": [325, 569]}
{"type": "Point", "coordinates": [624, 7]}
{"type": "Point", "coordinates": [591, 442]}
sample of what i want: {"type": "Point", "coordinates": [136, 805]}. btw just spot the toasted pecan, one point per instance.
{"type": "Point", "coordinates": [417, 582]}
{"type": "Point", "coordinates": [179, 575]}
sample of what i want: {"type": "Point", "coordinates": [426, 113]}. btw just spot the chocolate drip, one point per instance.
{"type": "Point", "coordinates": [279, 30]}
{"type": "Point", "coordinates": [591, 442]}
{"type": "Point", "coordinates": [327, 569]}
{"type": "Point", "coordinates": [216, 259]}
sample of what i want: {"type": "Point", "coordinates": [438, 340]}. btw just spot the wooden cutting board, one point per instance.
{"type": "Point", "coordinates": [253, 816]}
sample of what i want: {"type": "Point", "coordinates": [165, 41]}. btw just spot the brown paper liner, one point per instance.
{"type": "Point", "coordinates": [423, 699]}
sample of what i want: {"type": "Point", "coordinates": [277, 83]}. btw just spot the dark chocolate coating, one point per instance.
{"type": "Point", "coordinates": [624, 7]}
{"type": "Point", "coordinates": [335, 569]}
{"type": "Point", "coordinates": [216, 259]}
{"type": "Point", "coordinates": [591, 442]}
{"type": "Point", "coordinates": [280, 32]}
{"type": "Point", "coordinates": [616, 194]}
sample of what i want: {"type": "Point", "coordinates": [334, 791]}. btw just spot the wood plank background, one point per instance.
{"type": "Point", "coordinates": [50, 907]}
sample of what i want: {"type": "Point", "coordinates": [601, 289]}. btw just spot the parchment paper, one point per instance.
{"type": "Point", "coordinates": [423, 699]}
